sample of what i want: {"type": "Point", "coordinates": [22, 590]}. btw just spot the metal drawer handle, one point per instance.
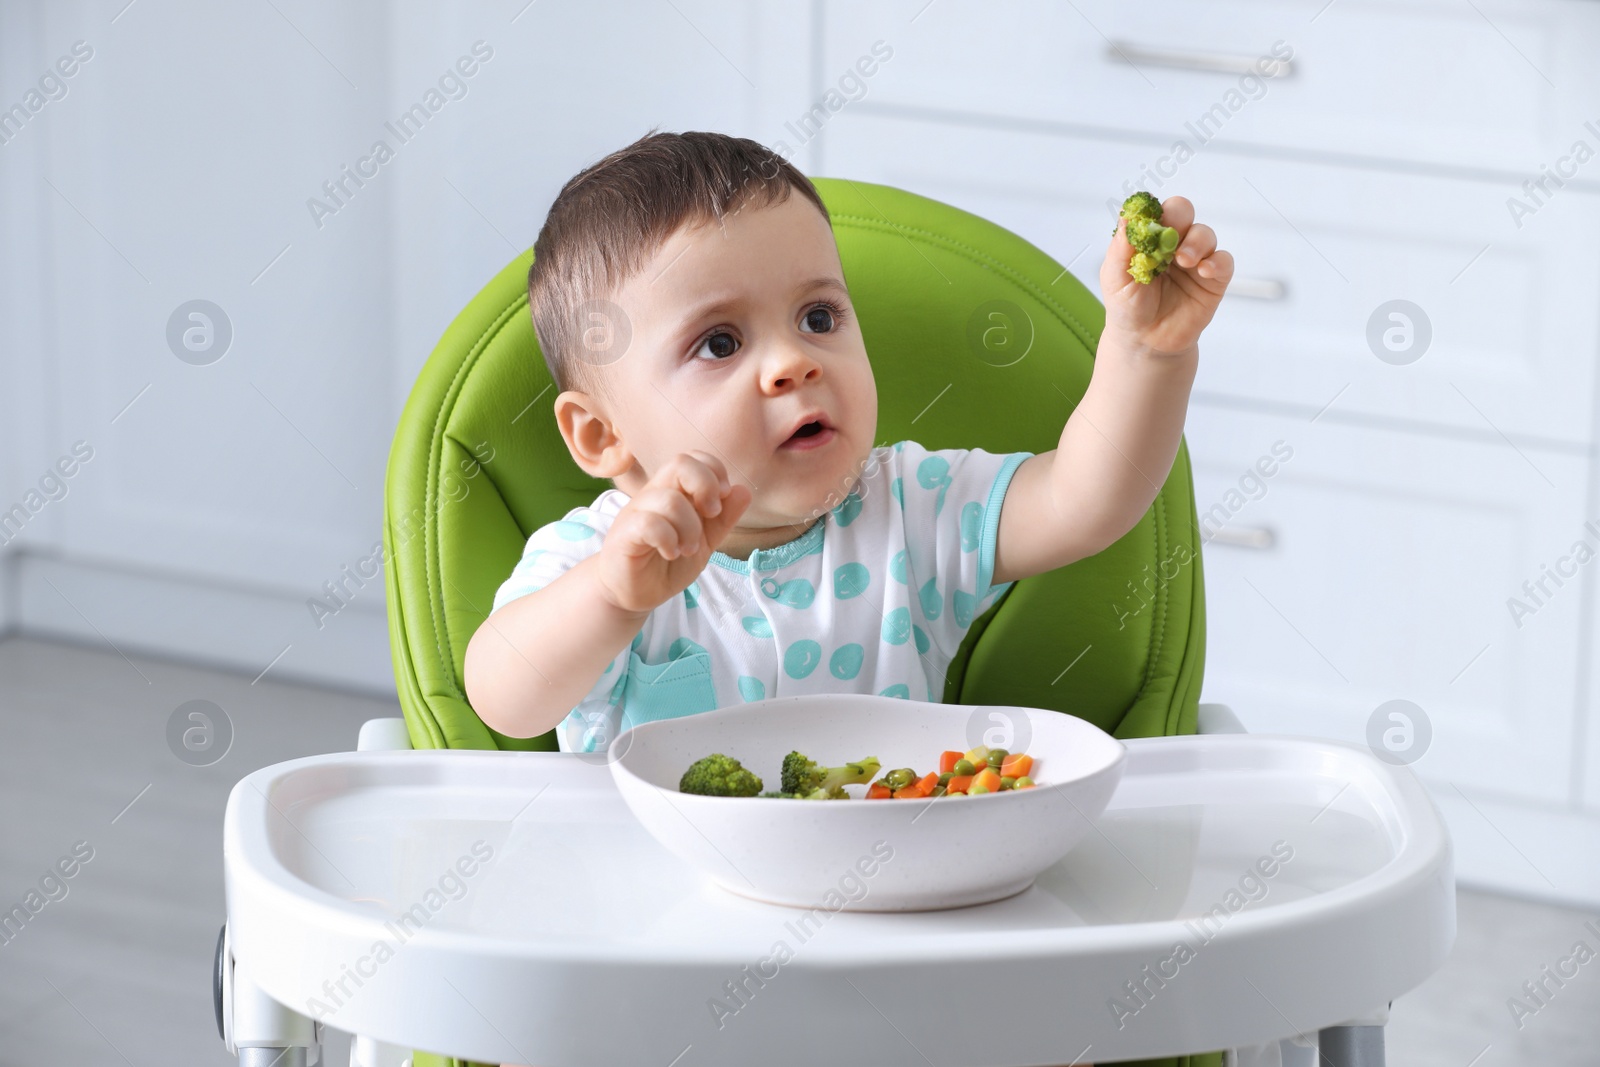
{"type": "Point", "coordinates": [1259, 537]}
{"type": "Point", "coordinates": [1258, 288]}
{"type": "Point", "coordinates": [1187, 59]}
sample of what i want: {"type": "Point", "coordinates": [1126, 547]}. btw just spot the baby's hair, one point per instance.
{"type": "Point", "coordinates": [611, 217]}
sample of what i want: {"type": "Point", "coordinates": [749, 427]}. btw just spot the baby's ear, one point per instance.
{"type": "Point", "coordinates": [591, 439]}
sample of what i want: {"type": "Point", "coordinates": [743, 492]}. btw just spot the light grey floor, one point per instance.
{"type": "Point", "coordinates": [117, 972]}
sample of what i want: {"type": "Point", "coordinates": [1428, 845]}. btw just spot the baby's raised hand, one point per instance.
{"type": "Point", "coordinates": [1167, 315]}
{"type": "Point", "coordinates": [663, 537]}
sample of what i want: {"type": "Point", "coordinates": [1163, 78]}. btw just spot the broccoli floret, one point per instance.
{"type": "Point", "coordinates": [804, 777]}
{"type": "Point", "coordinates": [1153, 243]}
{"type": "Point", "coordinates": [719, 776]}
{"type": "Point", "coordinates": [786, 796]}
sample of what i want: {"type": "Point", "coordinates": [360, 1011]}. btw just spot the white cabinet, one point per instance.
{"type": "Point", "coordinates": [1375, 564]}
{"type": "Point", "coordinates": [1497, 337]}
{"type": "Point", "coordinates": [1482, 86]}
{"type": "Point", "coordinates": [1371, 198]}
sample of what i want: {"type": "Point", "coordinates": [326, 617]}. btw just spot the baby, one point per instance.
{"type": "Point", "coordinates": [689, 299]}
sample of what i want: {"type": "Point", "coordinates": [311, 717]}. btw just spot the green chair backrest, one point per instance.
{"type": "Point", "coordinates": [977, 339]}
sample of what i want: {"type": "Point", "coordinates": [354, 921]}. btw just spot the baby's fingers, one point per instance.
{"type": "Point", "coordinates": [1198, 243]}
{"type": "Point", "coordinates": [652, 534]}
{"type": "Point", "coordinates": [668, 522]}
{"type": "Point", "coordinates": [700, 477]}
{"type": "Point", "coordinates": [733, 506]}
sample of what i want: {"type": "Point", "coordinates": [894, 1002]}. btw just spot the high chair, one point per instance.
{"type": "Point", "coordinates": [977, 339]}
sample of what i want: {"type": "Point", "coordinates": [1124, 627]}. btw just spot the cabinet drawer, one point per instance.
{"type": "Point", "coordinates": [1371, 565]}
{"type": "Point", "coordinates": [1492, 85]}
{"type": "Point", "coordinates": [1321, 252]}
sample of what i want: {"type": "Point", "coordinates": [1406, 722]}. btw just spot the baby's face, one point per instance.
{"type": "Point", "coordinates": [742, 334]}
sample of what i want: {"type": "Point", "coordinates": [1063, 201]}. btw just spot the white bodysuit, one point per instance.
{"type": "Point", "coordinates": [874, 597]}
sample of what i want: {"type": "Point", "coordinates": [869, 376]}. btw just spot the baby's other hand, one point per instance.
{"type": "Point", "coordinates": [1167, 315]}
{"type": "Point", "coordinates": [663, 537]}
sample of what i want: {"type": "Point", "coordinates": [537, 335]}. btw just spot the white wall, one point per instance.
{"type": "Point", "coordinates": [178, 166]}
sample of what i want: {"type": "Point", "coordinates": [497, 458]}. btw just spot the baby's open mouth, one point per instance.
{"type": "Point", "coordinates": [808, 435]}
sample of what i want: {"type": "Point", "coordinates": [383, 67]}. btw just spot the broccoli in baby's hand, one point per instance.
{"type": "Point", "coordinates": [803, 777]}
{"type": "Point", "coordinates": [719, 776]}
{"type": "Point", "coordinates": [1153, 244]}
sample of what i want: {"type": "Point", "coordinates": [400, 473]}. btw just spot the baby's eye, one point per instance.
{"type": "Point", "coordinates": [719, 345]}
{"type": "Point", "coordinates": [819, 319]}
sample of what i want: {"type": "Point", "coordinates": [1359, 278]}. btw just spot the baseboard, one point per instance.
{"type": "Point", "coordinates": [1522, 849]}
{"type": "Point", "coordinates": [258, 632]}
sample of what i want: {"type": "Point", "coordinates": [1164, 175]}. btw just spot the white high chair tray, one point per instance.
{"type": "Point", "coordinates": [1308, 883]}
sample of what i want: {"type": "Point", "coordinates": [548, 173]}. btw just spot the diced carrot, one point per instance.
{"type": "Point", "coordinates": [958, 783]}
{"type": "Point", "coordinates": [879, 791]}
{"type": "Point", "coordinates": [928, 781]}
{"type": "Point", "coordinates": [910, 792]}
{"type": "Point", "coordinates": [1017, 765]}
{"type": "Point", "coordinates": [989, 778]}
{"type": "Point", "coordinates": [947, 760]}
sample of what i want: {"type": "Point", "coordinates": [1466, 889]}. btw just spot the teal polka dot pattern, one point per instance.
{"type": "Point", "coordinates": [845, 663]}
{"type": "Point", "coordinates": [934, 473]}
{"type": "Point", "coordinates": [796, 593]}
{"type": "Point", "coordinates": [848, 509]}
{"type": "Point", "coordinates": [572, 531]}
{"type": "Point", "coordinates": [851, 580]}
{"type": "Point", "coordinates": [897, 626]}
{"type": "Point", "coordinates": [802, 658]}
{"type": "Point", "coordinates": [971, 525]}
{"type": "Point", "coordinates": [799, 618]}
{"type": "Point", "coordinates": [962, 605]}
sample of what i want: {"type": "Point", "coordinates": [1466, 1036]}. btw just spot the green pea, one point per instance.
{"type": "Point", "coordinates": [938, 791]}
{"type": "Point", "coordinates": [965, 766]}
{"type": "Point", "coordinates": [997, 756]}
{"type": "Point", "coordinates": [900, 777]}
{"type": "Point", "coordinates": [1023, 783]}
{"type": "Point", "coordinates": [1008, 783]}
{"type": "Point", "coordinates": [975, 788]}
{"type": "Point", "coordinates": [944, 779]}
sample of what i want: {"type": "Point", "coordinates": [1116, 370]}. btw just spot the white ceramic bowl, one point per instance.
{"type": "Point", "coordinates": [878, 855]}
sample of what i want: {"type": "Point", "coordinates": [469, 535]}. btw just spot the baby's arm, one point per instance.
{"type": "Point", "coordinates": [535, 658]}
{"type": "Point", "coordinates": [1118, 445]}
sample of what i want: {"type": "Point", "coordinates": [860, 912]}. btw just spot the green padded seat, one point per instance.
{"type": "Point", "coordinates": [977, 340]}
